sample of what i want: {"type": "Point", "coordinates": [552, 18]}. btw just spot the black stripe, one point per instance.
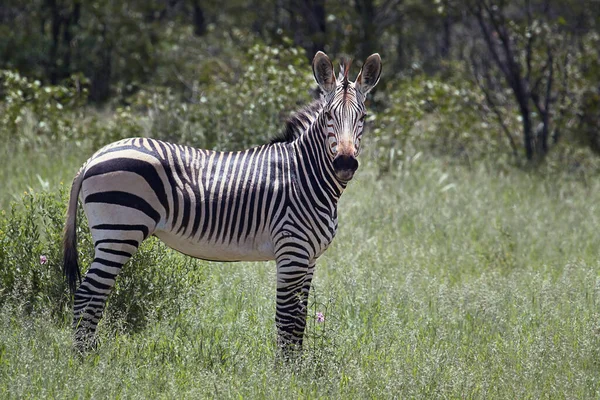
{"type": "Point", "coordinates": [238, 200]}
{"type": "Point", "coordinates": [230, 199]}
{"type": "Point", "coordinates": [167, 167]}
{"type": "Point", "coordinates": [182, 161]}
{"type": "Point", "coordinates": [115, 252]}
{"type": "Point", "coordinates": [122, 227]}
{"type": "Point", "coordinates": [124, 199]}
{"type": "Point", "coordinates": [139, 167]}
{"type": "Point", "coordinates": [187, 205]}
{"type": "Point", "coordinates": [227, 173]}
{"type": "Point", "coordinates": [255, 190]}
{"type": "Point", "coordinates": [206, 206]}
{"type": "Point", "coordinates": [221, 193]}
{"type": "Point", "coordinates": [176, 164]}
{"type": "Point", "coordinates": [133, 243]}
{"type": "Point", "coordinates": [101, 273]}
{"type": "Point", "coordinates": [198, 213]}
{"type": "Point", "coordinates": [108, 263]}
{"type": "Point", "coordinates": [294, 217]}
{"type": "Point", "coordinates": [249, 197]}
{"type": "Point", "coordinates": [96, 284]}
{"type": "Point", "coordinates": [217, 200]}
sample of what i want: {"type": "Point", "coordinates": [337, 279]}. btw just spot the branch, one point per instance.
{"type": "Point", "coordinates": [538, 81]}
{"type": "Point", "coordinates": [477, 12]}
{"type": "Point", "coordinates": [493, 105]}
{"type": "Point", "coordinates": [550, 82]}
{"type": "Point", "coordinates": [563, 97]}
{"type": "Point", "coordinates": [499, 23]}
{"type": "Point", "coordinates": [529, 39]}
{"type": "Point", "coordinates": [535, 96]}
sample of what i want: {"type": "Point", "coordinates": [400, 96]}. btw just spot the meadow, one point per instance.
{"type": "Point", "coordinates": [445, 281]}
{"type": "Point", "coordinates": [466, 263]}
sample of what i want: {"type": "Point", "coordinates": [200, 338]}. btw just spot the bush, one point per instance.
{"type": "Point", "coordinates": [245, 106]}
{"type": "Point", "coordinates": [33, 113]}
{"type": "Point", "coordinates": [31, 256]}
{"type": "Point", "coordinates": [151, 284]}
{"type": "Point", "coordinates": [436, 116]}
{"type": "Point", "coordinates": [234, 111]}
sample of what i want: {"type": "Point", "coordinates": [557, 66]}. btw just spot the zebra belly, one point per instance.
{"type": "Point", "coordinates": [257, 249]}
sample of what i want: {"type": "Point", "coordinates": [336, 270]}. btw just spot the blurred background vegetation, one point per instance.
{"type": "Point", "coordinates": [511, 81]}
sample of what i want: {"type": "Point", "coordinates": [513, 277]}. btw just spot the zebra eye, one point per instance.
{"type": "Point", "coordinates": [328, 115]}
{"type": "Point", "coordinates": [362, 118]}
{"type": "Point", "coordinates": [332, 141]}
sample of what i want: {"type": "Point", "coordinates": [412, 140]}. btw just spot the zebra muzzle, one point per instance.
{"type": "Point", "coordinates": [345, 166]}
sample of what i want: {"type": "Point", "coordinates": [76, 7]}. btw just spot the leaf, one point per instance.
{"type": "Point", "coordinates": [448, 187]}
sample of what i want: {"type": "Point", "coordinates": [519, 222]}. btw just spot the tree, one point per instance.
{"type": "Point", "coordinates": [524, 52]}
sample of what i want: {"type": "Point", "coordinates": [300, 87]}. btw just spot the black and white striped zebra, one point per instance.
{"type": "Point", "coordinates": [273, 202]}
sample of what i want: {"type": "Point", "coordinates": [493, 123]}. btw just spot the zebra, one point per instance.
{"type": "Point", "coordinates": [276, 202]}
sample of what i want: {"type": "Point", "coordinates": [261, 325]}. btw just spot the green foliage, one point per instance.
{"type": "Point", "coordinates": [27, 233]}
{"type": "Point", "coordinates": [584, 96]}
{"type": "Point", "coordinates": [34, 114]}
{"type": "Point", "coordinates": [31, 277]}
{"type": "Point", "coordinates": [226, 111]}
{"type": "Point", "coordinates": [436, 116]}
{"type": "Point", "coordinates": [153, 284]}
{"type": "Point", "coordinates": [230, 113]}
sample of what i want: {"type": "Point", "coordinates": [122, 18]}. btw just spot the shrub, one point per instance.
{"type": "Point", "coordinates": [230, 112]}
{"type": "Point", "coordinates": [31, 275]}
{"type": "Point", "coordinates": [30, 254]}
{"type": "Point", "coordinates": [440, 117]}
{"type": "Point", "coordinates": [33, 113]}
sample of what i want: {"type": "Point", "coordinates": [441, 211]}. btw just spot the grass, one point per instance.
{"type": "Point", "coordinates": [36, 169]}
{"type": "Point", "coordinates": [443, 282]}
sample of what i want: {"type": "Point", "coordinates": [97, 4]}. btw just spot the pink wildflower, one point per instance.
{"type": "Point", "coordinates": [320, 317]}
{"type": "Point", "coordinates": [43, 260]}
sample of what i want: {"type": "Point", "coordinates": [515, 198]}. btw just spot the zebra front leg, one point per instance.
{"type": "Point", "coordinates": [294, 275]}
{"type": "Point", "coordinates": [90, 297]}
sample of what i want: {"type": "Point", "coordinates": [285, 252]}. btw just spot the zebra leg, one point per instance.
{"type": "Point", "coordinates": [91, 296]}
{"type": "Point", "coordinates": [294, 274]}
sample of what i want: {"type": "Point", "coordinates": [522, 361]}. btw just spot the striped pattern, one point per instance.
{"type": "Point", "coordinates": [273, 202]}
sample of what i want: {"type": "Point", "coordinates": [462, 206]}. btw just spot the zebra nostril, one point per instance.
{"type": "Point", "coordinates": [345, 162]}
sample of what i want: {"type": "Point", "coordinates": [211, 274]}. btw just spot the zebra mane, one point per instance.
{"type": "Point", "coordinates": [345, 64]}
{"type": "Point", "coordinates": [299, 122]}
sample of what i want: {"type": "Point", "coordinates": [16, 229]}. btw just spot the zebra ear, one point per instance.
{"type": "Point", "coordinates": [323, 72]}
{"type": "Point", "coordinates": [369, 74]}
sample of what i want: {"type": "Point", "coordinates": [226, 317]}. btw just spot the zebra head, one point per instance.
{"type": "Point", "coordinates": [344, 111]}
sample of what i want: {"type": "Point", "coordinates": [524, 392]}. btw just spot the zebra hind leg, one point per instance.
{"type": "Point", "coordinates": [90, 298]}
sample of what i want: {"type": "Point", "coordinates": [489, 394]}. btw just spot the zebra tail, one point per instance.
{"type": "Point", "coordinates": [70, 265]}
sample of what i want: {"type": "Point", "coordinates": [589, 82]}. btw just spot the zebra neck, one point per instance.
{"type": "Point", "coordinates": [314, 165]}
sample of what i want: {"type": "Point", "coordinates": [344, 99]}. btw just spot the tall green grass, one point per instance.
{"type": "Point", "coordinates": [37, 168]}
{"type": "Point", "coordinates": [443, 281]}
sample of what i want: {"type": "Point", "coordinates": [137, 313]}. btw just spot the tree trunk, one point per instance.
{"type": "Point", "coordinates": [101, 76]}
{"type": "Point", "coordinates": [527, 136]}
{"type": "Point", "coordinates": [55, 23]}
{"type": "Point", "coordinates": [319, 25]}
{"type": "Point", "coordinates": [71, 21]}
{"type": "Point", "coordinates": [199, 19]}
{"type": "Point", "coordinates": [400, 45]}
{"type": "Point", "coordinates": [446, 39]}
{"type": "Point", "coordinates": [366, 11]}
